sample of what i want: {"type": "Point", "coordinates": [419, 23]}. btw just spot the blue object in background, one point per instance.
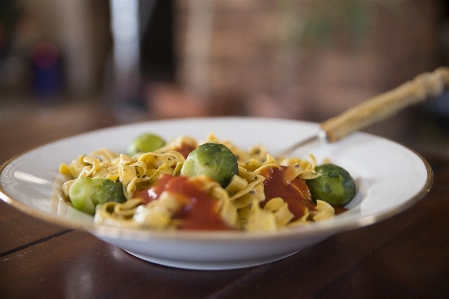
{"type": "Point", "coordinates": [47, 72]}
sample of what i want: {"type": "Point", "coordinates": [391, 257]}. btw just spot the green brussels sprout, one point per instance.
{"type": "Point", "coordinates": [213, 160]}
{"type": "Point", "coordinates": [335, 185]}
{"type": "Point", "coordinates": [145, 143]}
{"type": "Point", "coordinates": [86, 193]}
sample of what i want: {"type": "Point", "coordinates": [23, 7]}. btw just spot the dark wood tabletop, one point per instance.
{"type": "Point", "coordinates": [406, 256]}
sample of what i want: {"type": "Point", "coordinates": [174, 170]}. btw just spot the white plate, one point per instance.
{"type": "Point", "coordinates": [389, 178]}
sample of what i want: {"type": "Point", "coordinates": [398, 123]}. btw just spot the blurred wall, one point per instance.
{"type": "Point", "coordinates": [303, 58]}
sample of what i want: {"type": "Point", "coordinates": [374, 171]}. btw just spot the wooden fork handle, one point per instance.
{"type": "Point", "coordinates": [421, 88]}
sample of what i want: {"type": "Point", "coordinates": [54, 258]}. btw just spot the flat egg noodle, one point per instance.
{"type": "Point", "coordinates": [116, 214]}
{"type": "Point", "coordinates": [141, 170]}
{"type": "Point", "coordinates": [148, 168]}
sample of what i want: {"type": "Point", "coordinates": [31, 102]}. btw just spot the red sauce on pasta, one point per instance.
{"type": "Point", "coordinates": [296, 193]}
{"type": "Point", "coordinates": [339, 210]}
{"type": "Point", "coordinates": [185, 149]}
{"type": "Point", "coordinates": [200, 209]}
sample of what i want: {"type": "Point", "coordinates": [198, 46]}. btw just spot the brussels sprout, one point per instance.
{"type": "Point", "coordinates": [335, 185]}
{"type": "Point", "coordinates": [86, 193]}
{"type": "Point", "coordinates": [145, 143]}
{"type": "Point", "coordinates": [213, 160]}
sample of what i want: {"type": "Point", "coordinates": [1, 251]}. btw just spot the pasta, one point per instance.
{"type": "Point", "coordinates": [158, 197]}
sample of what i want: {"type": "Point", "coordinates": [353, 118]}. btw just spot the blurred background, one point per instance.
{"type": "Point", "coordinates": [70, 66]}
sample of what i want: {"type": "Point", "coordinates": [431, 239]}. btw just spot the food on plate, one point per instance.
{"type": "Point", "coordinates": [146, 142]}
{"type": "Point", "coordinates": [335, 185]}
{"type": "Point", "coordinates": [86, 193]}
{"type": "Point", "coordinates": [213, 160]}
{"type": "Point", "coordinates": [185, 184]}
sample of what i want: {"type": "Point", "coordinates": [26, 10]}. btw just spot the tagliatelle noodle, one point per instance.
{"type": "Point", "coordinates": [260, 219]}
{"type": "Point", "coordinates": [323, 211]}
{"type": "Point", "coordinates": [245, 188]}
{"type": "Point", "coordinates": [123, 213]}
{"type": "Point", "coordinates": [279, 209]}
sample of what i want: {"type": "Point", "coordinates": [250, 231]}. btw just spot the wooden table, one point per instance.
{"type": "Point", "coordinates": [402, 257]}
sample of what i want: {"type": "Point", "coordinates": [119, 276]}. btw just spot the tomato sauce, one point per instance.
{"type": "Point", "coordinates": [200, 211]}
{"type": "Point", "coordinates": [339, 210]}
{"type": "Point", "coordinates": [185, 149]}
{"type": "Point", "coordinates": [296, 193]}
